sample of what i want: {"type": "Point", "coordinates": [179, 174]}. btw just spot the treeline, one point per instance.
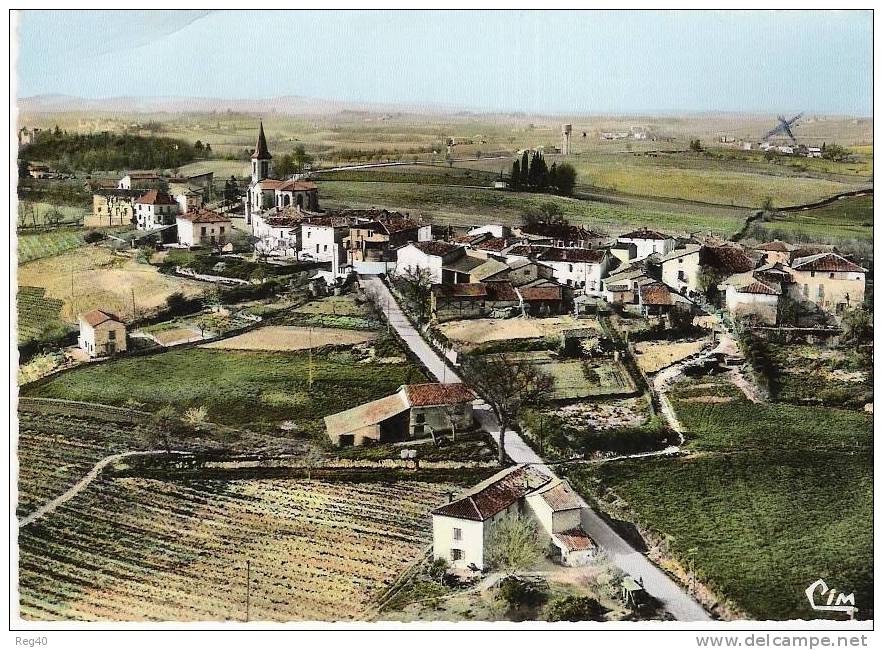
{"type": "Point", "coordinates": [531, 174]}
{"type": "Point", "coordinates": [88, 152]}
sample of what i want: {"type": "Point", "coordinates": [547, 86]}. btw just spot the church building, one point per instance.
{"type": "Point", "coordinates": [272, 195]}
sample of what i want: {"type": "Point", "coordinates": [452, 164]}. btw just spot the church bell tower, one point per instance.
{"type": "Point", "coordinates": [260, 159]}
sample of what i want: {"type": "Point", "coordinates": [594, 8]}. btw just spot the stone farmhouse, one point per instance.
{"type": "Point", "coordinates": [647, 242]}
{"type": "Point", "coordinates": [112, 207]}
{"type": "Point", "coordinates": [561, 235]}
{"type": "Point", "coordinates": [102, 334]}
{"type": "Point", "coordinates": [414, 411]}
{"type": "Point", "coordinates": [203, 228]}
{"type": "Point", "coordinates": [463, 529]}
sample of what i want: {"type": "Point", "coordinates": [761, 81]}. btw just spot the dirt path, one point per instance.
{"type": "Point", "coordinates": [83, 483]}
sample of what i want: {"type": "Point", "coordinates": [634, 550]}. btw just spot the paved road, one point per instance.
{"type": "Point", "coordinates": [675, 601]}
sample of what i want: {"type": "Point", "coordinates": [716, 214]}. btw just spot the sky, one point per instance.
{"type": "Point", "coordinates": [552, 62]}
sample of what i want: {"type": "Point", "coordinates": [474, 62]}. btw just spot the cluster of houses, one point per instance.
{"type": "Point", "coordinates": [173, 209]}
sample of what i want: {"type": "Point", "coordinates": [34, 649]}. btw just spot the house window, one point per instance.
{"type": "Point", "coordinates": [112, 335]}
{"type": "Point", "coordinates": [812, 274]}
{"type": "Point", "coordinates": [420, 418]}
{"type": "Point", "coordinates": [456, 554]}
{"type": "Point", "coordinates": [806, 291]}
{"type": "Point", "coordinates": [821, 292]}
{"type": "Point", "coordinates": [203, 231]}
{"type": "Point", "coordinates": [222, 230]}
{"type": "Point", "coordinates": [682, 276]}
{"type": "Point", "coordinates": [458, 534]}
{"type": "Point", "coordinates": [831, 276]}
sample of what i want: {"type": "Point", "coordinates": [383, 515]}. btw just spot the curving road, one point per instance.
{"type": "Point", "coordinates": [656, 582]}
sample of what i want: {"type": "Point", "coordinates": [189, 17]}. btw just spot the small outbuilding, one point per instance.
{"type": "Point", "coordinates": [102, 334]}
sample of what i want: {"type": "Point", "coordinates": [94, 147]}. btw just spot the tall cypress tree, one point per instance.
{"type": "Point", "coordinates": [525, 179]}
{"type": "Point", "coordinates": [553, 177]}
{"type": "Point", "coordinates": [515, 178]}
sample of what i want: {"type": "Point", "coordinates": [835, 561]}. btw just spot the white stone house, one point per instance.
{"type": "Point", "coordinates": [155, 209]}
{"type": "Point", "coordinates": [321, 238]}
{"type": "Point", "coordinates": [203, 228]}
{"type": "Point", "coordinates": [431, 256]}
{"type": "Point", "coordinates": [580, 268]}
{"type": "Point", "coordinates": [138, 181]}
{"type": "Point", "coordinates": [753, 298]}
{"type": "Point", "coordinates": [278, 235]}
{"type": "Point", "coordinates": [680, 269]}
{"type": "Point", "coordinates": [830, 281]}
{"type": "Point", "coordinates": [462, 529]}
{"type": "Point", "coordinates": [102, 334]}
{"type": "Point", "coordinates": [648, 242]}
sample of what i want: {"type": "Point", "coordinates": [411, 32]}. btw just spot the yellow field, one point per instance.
{"type": "Point", "coordinates": [95, 278]}
{"type": "Point", "coordinates": [652, 356]}
{"type": "Point", "coordinates": [483, 330]}
{"type": "Point", "coordinates": [285, 337]}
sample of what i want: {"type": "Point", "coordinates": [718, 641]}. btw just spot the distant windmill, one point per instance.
{"type": "Point", "coordinates": [784, 127]}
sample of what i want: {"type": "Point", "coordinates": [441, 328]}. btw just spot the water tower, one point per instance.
{"type": "Point", "coordinates": [565, 138]}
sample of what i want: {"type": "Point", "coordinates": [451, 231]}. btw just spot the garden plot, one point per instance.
{"type": "Point", "coordinates": [653, 356]}
{"type": "Point", "coordinates": [601, 416]}
{"type": "Point", "coordinates": [574, 378]}
{"type": "Point", "coordinates": [146, 550]}
{"type": "Point", "coordinates": [287, 337]}
{"type": "Point", "coordinates": [483, 330]}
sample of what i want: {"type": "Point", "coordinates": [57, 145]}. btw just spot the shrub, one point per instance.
{"type": "Point", "coordinates": [93, 236]}
{"type": "Point", "coordinates": [517, 592]}
{"type": "Point", "coordinates": [195, 415]}
{"type": "Point", "coordinates": [575, 609]}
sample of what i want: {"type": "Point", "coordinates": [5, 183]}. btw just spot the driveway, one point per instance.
{"type": "Point", "coordinates": [657, 583]}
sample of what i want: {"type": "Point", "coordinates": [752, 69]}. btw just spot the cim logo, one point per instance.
{"type": "Point", "coordinates": [823, 599]}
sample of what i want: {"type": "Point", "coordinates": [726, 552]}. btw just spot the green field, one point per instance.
{"type": "Point", "coordinates": [776, 497]}
{"type": "Point", "coordinates": [238, 388]}
{"type": "Point", "coordinates": [69, 214]}
{"type": "Point", "coordinates": [38, 316]}
{"type": "Point", "coordinates": [36, 245]}
{"type": "Point", "coordinates": [850, 218]}
{"type": "Point", "coordinates": [729, 180]}
{"type": "Point", "coordinates": [467, 206]}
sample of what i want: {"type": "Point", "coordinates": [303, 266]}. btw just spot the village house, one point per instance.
{"type": "Point", "coordinates": [203, 228]}
{"type": "Point", "coordinates": [472, 300]}
{"type": "Point", "coordinates": [322, 237]}
{"type": "Point", "coordinates": [623, 286]}
{"type": "Point", "coordinates": [495, 230]}
{"type": "Point", "coordinates": [112, 207]}
{"type": "Point", "coordinates": [648, 242]}
{"type": "Point", "coordinates": [623, 252]}
{"type": "Point", "coordinates": [680, 269]}
{"type": "Point", "coordinates": [830, 281]}
{"type": "Point", "coordinates": [430, 256]}
{"type": "Point", "coordinates": [580, 268]}
{"type": "Point", "coordinates": [463, 529]}
{"type": "Point", "coordinates": [102, 334]}
{"type": "Point", "coordinates": [278, 236]}
{"type": "Point", "coordinates": [775, 251]}
{"type": "Point", "coordinates": [154, 210]}
{"type": "Point", "coordinates": [754, 299]}
{"type": "Point", "coordinates": [188, 198]}
{"type": "Point", "coordinates": [140, 181]}
{"type": "Point", "coordinates": [414, 411]}
{"type": "Point", "coordinates": [377, 235]}
{"type": "Point", "coordinates": [658, 299]}
{"type": "Point", "coordinates": [561, 235]}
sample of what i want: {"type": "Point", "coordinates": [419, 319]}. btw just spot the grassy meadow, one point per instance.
{"type": "Point", "coordinates": [773, 497]}
{"type": "Point", "coordinates": [238, 388]}
{"type": "Point", "coordinates": [850, 218]}
{"type": "Point", "coordinates": [37, 245]}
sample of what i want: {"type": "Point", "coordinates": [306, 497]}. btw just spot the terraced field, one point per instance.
{"type": "Point", "coordinates": [38, 315]}
{"type": "Point", "coordinates": [146, 550]}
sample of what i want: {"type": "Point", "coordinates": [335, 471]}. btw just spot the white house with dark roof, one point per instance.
{"type": "Point", "coordinates": [431, 256]}
{"type": "Point", "coordinates": [580, 268]}
{"type": "Point", "coordinates": [647, 242]}
{"type": "Point", "coordinates": [462, 529]}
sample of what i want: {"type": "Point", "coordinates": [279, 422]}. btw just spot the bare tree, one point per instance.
{"type": "Point", "coordinates": [507, 385]}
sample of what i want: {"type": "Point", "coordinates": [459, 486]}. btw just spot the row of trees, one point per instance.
{"type": "Point", "coordinates": [292, 163]}
{"type": "Point", "coordinates": [531, 173]}
{"type": "Point", "coordinates": [88, 152]}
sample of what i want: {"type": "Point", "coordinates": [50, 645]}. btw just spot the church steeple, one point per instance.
{"type": "Point", "coordinates": [260, 159]}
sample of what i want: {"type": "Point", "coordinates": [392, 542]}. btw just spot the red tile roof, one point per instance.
{"type": "Point", "coordinates": [204, 216]}
{"type": "Point", "coordinates": [438, 394]}
{"type": "Point", "coordinates": [644, 233]}
{"type": "Point", "coordinates": [526, 250]}
{"type": "Point", "coordinates": [532, 294]}
{"type": "Point", "coordinates": [492, 244]}
{"type": "Point", "coordinates": [561, 231]}
{"type": "Point", "coordinates": [561, 497]}
{"type": "Point", "coordinates": [728, 259]}
{"type": "Point", "coordinates": [775, 245]}
{"type": "Point", "coordinates": [579, 255]}
{"type": "Point", "coordinates": [826, 262]}
{"type": "Point", "coordinates": [757, 287]}
{"type": "Point", "coordinates": [496, 495]}
{"type": "Point", "coordinates": [656, 293]}
{"type": "Point", "coordinates": [296, 186]}
{"type": "Point", "coordinates": [501, 291]}
{"type": "Point", "coordinates": [575, 539]}
{"type": "Point", "coordinates": [98, 316]}
{"type": "Point", "coordinates": [436, 248]}
{"type": "Point", "coordinates": [271, 184]}
{"type": "Point", "coordinates": [461, 290]}
{"type": "Point", "coordinates": [156, 197]}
